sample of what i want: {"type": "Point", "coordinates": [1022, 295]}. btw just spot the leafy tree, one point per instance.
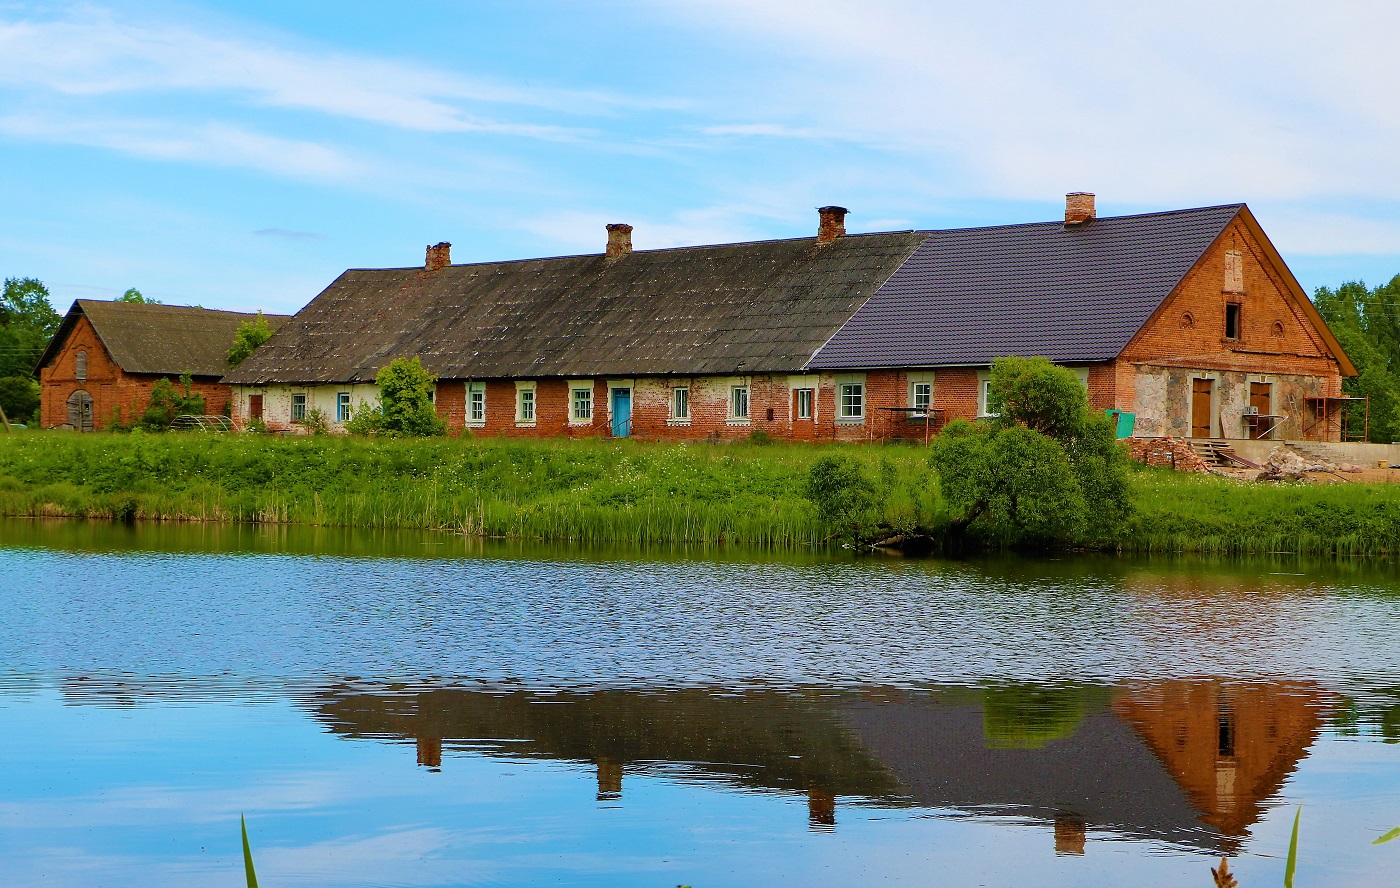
{"type": "Point", "coordinates": [27, 323]}
{"type": "Point", "coordinates": [246, 340]}
{"type": "Point", "coordinates": [134, 295]}
{"type": "Point", "coordinates": [405, 403]}
{"type": "Point", "coordinates": [1047, 470]}
{"type": "Point", "coordinates": [19, 398]}
{"type": "Point", "coordinates": [1367, 324]}
{"type": "Point", "coordinates": [168, 402]}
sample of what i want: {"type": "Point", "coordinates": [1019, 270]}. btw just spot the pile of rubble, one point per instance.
{"type": "Point", "coordinates": [1284, 464]}
{"type": "Point", "coordinates": [1167, 453]}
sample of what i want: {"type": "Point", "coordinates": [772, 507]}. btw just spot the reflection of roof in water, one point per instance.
{"type": "Point", "coordinates": [1089, 763]}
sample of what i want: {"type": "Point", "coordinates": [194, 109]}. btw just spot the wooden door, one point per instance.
{"type": "Point", "coordinates": [1261, 400]}
{"type": "Point", "coordinates": [80, 411]}
{"type": "Point", "coordinates": [1201, 390]}
{"type": "Point", "coordinates": [255, 407]}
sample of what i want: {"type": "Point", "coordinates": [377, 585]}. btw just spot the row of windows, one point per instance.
{"type": "Point", "coordinates": [850, 402]}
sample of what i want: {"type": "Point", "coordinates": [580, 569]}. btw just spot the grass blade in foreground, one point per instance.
{"type": "Point", "coordinates": [1394, 833]}
{"type": "Point", "coordinates": [1292, 866]}
{"type": "Point", "coordinates": [247, 855]}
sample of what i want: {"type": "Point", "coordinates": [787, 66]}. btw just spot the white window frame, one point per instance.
{"type": "Point", "coordinates": [299, 399]}
{"type": "Point", "coordinates": [577, 387]}
{"type": "Point", "coordinates": [917, 381]}
{"type": "Point", "coordinates": [476, 394]}
{"type": "Point", "coordinates": [527, 407]}
{"type": "Point", "coordinates": [680, 405]}
{"type": "Point", "coordinates": [984, 384]}
{"type": "Point", "coordinates": [740, 394]}
{"type": "Point", "coordinates": [853, 411]}
{"type": "Point", "coordinates": [843, 382]}
{"type": "Point", "coordinates": [811, 398]}
{"type": "Point", "coordinates": [342, 407]}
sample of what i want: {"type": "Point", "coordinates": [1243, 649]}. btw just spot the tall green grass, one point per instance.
{"type": "Point", "coordinates": [608, 491]}
{"type": "Point", "coordinates": [1207, 515]}
{"type": "Point", "coordinates": [588, 490]}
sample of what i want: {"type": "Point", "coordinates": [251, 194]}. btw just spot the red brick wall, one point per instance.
{"type": "Point", "coordinates": [116, 395]}
{"type": "Point", "coordinates": [1276, 334]}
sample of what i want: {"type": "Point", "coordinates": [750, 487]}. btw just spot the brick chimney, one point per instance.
{"type": "Point", "coordinates": [619, 240]}
{"type": "Point", "coordinates": [832, 224]}
{"type": "Point", "coordinates": [439, 256]}
{"type": "Point", "coordinates": [1079, 208]}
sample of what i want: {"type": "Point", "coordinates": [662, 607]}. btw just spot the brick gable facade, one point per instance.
{"type": "Point", "coordinates": [116, 396]}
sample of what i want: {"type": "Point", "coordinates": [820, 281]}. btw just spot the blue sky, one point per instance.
{"type": "Point", "coordinates": [242, 155]}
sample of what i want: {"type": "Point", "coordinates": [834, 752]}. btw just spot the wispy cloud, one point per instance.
{"type": "Point", "coordinates": [211, 143]}
{"type": "Point", "coordinates": [97, 53]}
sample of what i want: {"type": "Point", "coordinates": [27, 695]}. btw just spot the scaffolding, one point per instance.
{"type": "Point", "coordinates": [1325, 417]}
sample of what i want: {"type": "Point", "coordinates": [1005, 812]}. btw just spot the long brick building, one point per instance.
{"type": "Point", "coordinates": [1189, 319]}
{"type": "Point", "coordinates": [100, 366]}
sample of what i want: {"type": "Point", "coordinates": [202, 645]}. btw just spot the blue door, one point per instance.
{"type": "Point", "coordinates": [621, 412]}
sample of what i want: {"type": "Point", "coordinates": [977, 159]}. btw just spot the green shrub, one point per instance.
{"type": "Point", "coordinates": [316, 422]}
{"type": "Point", "coordinates": [405, 405]}
{"type": "Point", "coordinates": [167, 402]}
{"type": "Point", "coordinates": [844, 497]}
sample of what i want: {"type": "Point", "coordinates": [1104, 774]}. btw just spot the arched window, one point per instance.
{"type": "Point", "coordinates": [81, 366]}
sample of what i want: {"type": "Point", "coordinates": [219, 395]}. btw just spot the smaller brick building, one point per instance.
{"type": "Point", "coordinates": [106, 356]}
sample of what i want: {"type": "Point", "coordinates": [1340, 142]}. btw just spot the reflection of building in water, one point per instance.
{"type": "Point", "coordinates": [1187, 762]}
{"type": "Point", "coordinates": [1230, 746]}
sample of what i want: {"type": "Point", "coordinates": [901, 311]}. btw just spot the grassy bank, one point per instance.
{"type": "Point", "coordinates": [615, 491]}
{"type": "Point", "coordinates": [1209, 515]}
{"type": "Point", "coordinates": [588, 490]}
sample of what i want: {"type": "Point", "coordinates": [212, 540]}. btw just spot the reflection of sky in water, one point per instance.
{"type": "Point", "coordinates": [944, 716]}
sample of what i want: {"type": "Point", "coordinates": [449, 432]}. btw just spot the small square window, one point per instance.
{"type": "Point", "coordinates": [298, 407]}
{"type": "Point", "coordinates": [342, 407]}
{"type": "Point", "coordinates": [852, 405]}
{"type": "Point", "coordinates": [526, 412]}
{"type": "Point", "coordinates": [804, 403]}
{"type": "Point", "coordinates": [1232, 320]}
{"type": "Point", "coordinates": [582, 405]}
{"type": "Point", "coordinates": [739, 402]}
{"type": "Point", "coordinates": [680, 404]}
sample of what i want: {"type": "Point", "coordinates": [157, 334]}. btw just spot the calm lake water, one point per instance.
{"type": "Point", "coordinates": [422, 710]}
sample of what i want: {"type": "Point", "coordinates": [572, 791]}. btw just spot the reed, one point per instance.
{"type": "Point", "coordinates": [606, 491]}
{"type": "Point", "coordinates": [586, 490]}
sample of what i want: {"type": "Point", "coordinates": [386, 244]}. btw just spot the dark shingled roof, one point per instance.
{"type": "Point", "coordinates": [163, 339]}
{"type": "Point", "coordinates": [746, 308]}
{"type": "Point", "coordinates": [1069, 294]}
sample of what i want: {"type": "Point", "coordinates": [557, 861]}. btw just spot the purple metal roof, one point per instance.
{"type": "Point", "coordinates": [970, 295]}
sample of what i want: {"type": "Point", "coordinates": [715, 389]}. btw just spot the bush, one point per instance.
{"type": "Point", "coordinates": [247, 338]}
{"type": "Point", "coordinates": [167, 402]}
{"type": "Point", "coordinates": [19, 398]}
{"type": "Point", "coordinates": [844, 497]}
{"type": "Point", "coordinates": [316, 422]}
{"type": "Point", "coordinates": [405, 403]}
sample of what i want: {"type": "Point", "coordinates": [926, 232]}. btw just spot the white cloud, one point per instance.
{"type": "Point", "coordinates": [212, 143]}
{"type": "Point", "coordinates": [1193, 101]}
{"type": "Point", "coordinates": [92, 53]}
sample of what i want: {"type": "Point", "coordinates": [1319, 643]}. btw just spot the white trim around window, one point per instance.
{"type": "Point", "coordinates": [850, 399]}
{"type": "Point", "coordinates": [740, 402]}
{"type": "Point", "coordinates": [920, 394]}
{"type": "Point", "coordinates": [476, 405]}
{"type": "Point", "coordinates": [679, 413]}
{"type": "Point", "coordinates": [984, 383]}
{"type": "Point", "coordinates": [581, 404]}
{"type": "Point", "coordinates": [526, 406]}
